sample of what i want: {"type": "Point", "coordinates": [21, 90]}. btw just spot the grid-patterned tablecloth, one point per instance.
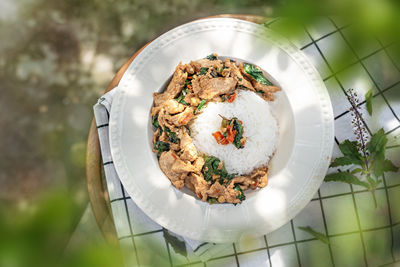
{"type": "Point", "coordinates": [359, 233]}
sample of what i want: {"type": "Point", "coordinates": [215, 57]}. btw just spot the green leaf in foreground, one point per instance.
{"type": "Point", "coordinates": [378, 142]}
{"type": "Point", "coordinates": [350, 150]}
{"type": "Point", "coordinates": [346, 177]}
{"type": "Point", "coordinates": [256, 74]}
{"type": "Point", "coordinates": [178, 245]}
{"type": "Point", "coordinates": [317, 235]}
{"type": "Point", "coordinates": [368, 100]}
{"type": "Point", "coordinates": [343, 161]}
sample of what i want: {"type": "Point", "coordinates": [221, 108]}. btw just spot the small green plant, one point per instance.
{"type": "Point", "coordinates": [366, 154]}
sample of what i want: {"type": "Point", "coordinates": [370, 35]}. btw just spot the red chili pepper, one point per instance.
{"type": "Point", "coordinates": [230, 133]}
{"type": "Point", "coordinates": [174, 156]}
{"type": "Point", "coordinates": [190, 77]}
{"type": "Point", "coordinates": [224, 142]}
{"type": "Point", "coordinates": [218, 136]}
{"type": "Point", "coordinates": [231, 97]}
{"type": "Point", "coordinates": [190, 87]}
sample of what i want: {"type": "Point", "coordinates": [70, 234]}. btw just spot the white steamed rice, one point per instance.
{"type": "Point", "coordinates": [260, 129]}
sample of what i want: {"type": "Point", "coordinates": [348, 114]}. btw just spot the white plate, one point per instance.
{"type": "Point", "coordinates": [304, 147]}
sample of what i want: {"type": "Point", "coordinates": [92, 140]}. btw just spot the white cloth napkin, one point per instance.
{"type": "Point", "coordinates": [118, 195]}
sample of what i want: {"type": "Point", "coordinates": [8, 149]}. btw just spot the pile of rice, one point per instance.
{"type": "Point", "coordinates": [260, 129]}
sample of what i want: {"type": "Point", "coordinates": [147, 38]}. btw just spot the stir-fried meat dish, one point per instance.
{"type": "Point", "coordinates": [192, 86]}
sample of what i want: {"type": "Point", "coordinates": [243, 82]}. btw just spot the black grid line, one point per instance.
{"type": "Point", "coordinates": [141, 234]}
{"type": "Point", "coordinates": [389, 56]}
{"type": "Point", "coordinates": [324, 36]}
{"type": "Point", "coordinates": [365, 68]}
{"type": "Point", "coordinates": [202, 244]}
{"type": "Point", "coordinates": [366, 126]}
{"type": "Point", "coordinates": [268, 252]}
{"type": "Point", "coordinates": [335, 76]}
{"type": "Point", "coordinates": [295, 243]}
{"type": "Point", "coordinates": [353, 192]}
{"type": "Point", "coordinates": [107, 163]}
{"type": "Point", "coordinates": [120, 199]}
{"type": "Point", "coordinates": [130, 225]}
{"type": "Point", "coordinates": [394, 129]}
{"type": "Point", "coordinates": [390, 217]}
{"type": "Point", "coordinates": [334, 73]}
{"type": "Point", "coordinates": [169, 252]}
{"type": "Point", "coordinates": [375, 95]}
{"type": "Point", "coordinates": [359, 226]}
{"type": "Point", "coordinates": [236, 255]}
{"type": "Point", "coordinates": [326, 227]}
{"type": "Point", "coordinates": [102, 125]}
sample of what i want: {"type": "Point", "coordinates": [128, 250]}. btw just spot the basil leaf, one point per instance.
{"type": "Point", "coordinates": [388, 166]}
{"type": "Point", "coordinates": [343, 161]}
{"type": "Point", "coordinates": [317, 235]}
{"type": "Point", "coordinates": [178, 245]}
{"type": "Point", "coordinates": [346, 177]}
{"type": "Point", "coordinates": [241, 196]}
{"type": "Point", "coordinates": [211, 57]}
{"type": "Point", "coordinates": [356, 170]}
{"type": "Point", "coordinates": [203, 71]}
{"type": "Point", "coordinates": [155, 123]}
{"type": "Point", "coordinates": [239, 133]}
{"type": "Point", "coordinates": [381, 165]}
{"type": "Point", "coordinates": [350, 150]}
{"type": "Point", "coordinates": [172, 136]}
{"type": "Point", "coordinates": [161, 146]}
{"type": "Point", "coordinates": [378, 142]}
{"type": "Point", "coordinates": [256, 74]}
{"type": "Point", "coordinates": [211, 167]}
{"type": "Point", "coordinates": [368, 100]}
{"type": "Point", "coordinates": [200, 106]}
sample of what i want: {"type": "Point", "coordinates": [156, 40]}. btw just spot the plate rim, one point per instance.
{"type": "Point", "coordinates": [312, 73]}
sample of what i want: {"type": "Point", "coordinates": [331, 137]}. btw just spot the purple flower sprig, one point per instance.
{"type": "Point", "coordinates": [359, 129]}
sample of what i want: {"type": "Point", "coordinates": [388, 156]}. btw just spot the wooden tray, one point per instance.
{"type": "Point", "coordinates": [96, 184]}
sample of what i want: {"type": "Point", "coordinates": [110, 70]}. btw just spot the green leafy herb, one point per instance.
{"type": "Point", "coordinates": [256, 74]}
{"type": "Point", "coordinates": [351, 154]}
{"type": "Point", "coordinates": [223, 98]}
{"type": "Point", "coordinates": [368, 99]}
{"type": "Point", "coordinates": [317, 235]}
{"type": "Point", "coordinates": [211, 167]}
{"type": "Point", "coordinates": [172, 136]}
{"type": "Point", "coordinates": [178, 245]}
{"type": "Point", "coordinates": [203, 71]}
{"type": "Point", "coordinates": [346, 177]}
{"type": "Point", "coordinates": [161, 146]}
{"type": "Point", "coordinates": [211, 57]}
{"type": "Point", "coordinates": [371, 163]}
{"type": "Point", "coordinates": [212, 200]}
{"type": "Point", "coordinates": [155, 123]}
{"type": "Point", "coordinates": [200, 106]}
{"type": "Point", "coordinates": [182, 95]}
{"type": "Point", "coordinates": [239, 133]}
{"type": "Point", "coordinates": [241, 195]}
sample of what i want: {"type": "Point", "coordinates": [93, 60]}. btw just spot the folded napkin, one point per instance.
{"type": "Point", "coordinates": [134, 222]}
